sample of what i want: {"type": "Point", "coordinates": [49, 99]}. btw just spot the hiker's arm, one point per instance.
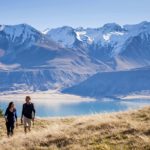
{"type": "Point", "coordinates": [16, 118]}
{"type": "Point", "coordinates": [33, 111]}
{"type": "Point", "coordinates": [5, 115]}
{"type": "Point", "coordinates": [16, 115]}
{"type": "Point", "coordinates": [22, 113]}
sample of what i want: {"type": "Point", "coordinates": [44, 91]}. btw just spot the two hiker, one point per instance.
{"type": "Point", "coordinates": [27, 116]}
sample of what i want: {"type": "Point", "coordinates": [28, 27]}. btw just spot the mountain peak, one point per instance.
{"type": "Point", "coordinates": [112, 27]}
{"type": "Point", "coordinates": [65, 35]}
{"type": "Point", "coordinates": [19, 32]}
{"type": "Point", "coordinates": [24, 25]}
{"type": "Point", "coordinates": [145, 22]}
{"type": "Point", "coordinates": [143, 26]}
{"type": "Point", "coordinates": [80, 29]}
{"type": "Point", "coordinates": [66, 27]}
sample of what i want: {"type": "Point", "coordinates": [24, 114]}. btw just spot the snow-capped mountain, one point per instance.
{"type": "Point", "coordinates": [109, 43]}
{"type": "Point", "coordinates": [67, 36]}
{"type": "Point", "coordinates": [66, 56]}
{"type": "Point", "coordinates": [64, 36]}
{"type": "Point", "coordinates": [30, 59]}
{"type": "Point", "coordinates": [19, 34]}
{"type": "Point", "coordinates": [108, 34]}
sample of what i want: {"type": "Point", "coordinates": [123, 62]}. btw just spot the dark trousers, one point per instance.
{"type": "Point", "coordinates": [10, 128]}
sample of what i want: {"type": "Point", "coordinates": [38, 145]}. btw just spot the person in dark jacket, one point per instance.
{"type": "Point", "coordinates": [28, 114]}
{"type": "Point", "coordinates": [11, 118]}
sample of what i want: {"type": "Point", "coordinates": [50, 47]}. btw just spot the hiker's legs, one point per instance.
{"type": "Point", "coordinates": [8, 128]}
{"type": "Point", "coordinates": [27, 124]}
{"type": "Point", "coordinates": [12, 128]}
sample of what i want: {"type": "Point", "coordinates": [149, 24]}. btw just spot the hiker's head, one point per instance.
{"type": "Point", "coordinates": [11, 105]}
{"type": "Point", "coordinates": [28, 99]}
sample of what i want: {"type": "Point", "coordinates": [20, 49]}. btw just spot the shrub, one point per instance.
{"type": "Point", "coordinates": [1, 112]}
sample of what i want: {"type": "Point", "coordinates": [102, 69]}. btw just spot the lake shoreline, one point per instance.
{"type": "Point", "coordinates": [55, 104]}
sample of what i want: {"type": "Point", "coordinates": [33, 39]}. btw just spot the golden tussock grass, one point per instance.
{"type": "Point", "coordinates": [116, 131]}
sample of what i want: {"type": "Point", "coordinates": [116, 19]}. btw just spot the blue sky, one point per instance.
{"type": "Point", "coordinates": [87, 13]}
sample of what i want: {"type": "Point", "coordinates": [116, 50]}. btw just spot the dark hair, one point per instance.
{"type": "Point", "coordinates": [28, 97]}
{"type": "Point", "coordinates": [9, 105]}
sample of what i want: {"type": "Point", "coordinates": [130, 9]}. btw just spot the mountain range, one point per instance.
{"type": "Point", "coordinates": [89, 62]}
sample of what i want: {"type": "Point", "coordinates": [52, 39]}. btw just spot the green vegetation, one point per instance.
{"type": "Point", "coordinates": [1, 112]}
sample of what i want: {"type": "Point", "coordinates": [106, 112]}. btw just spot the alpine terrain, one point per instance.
{"type": "Point", "coordinates": [105, 61]}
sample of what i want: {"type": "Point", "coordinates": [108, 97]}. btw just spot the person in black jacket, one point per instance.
{"type": "Point", "coordinates": [28, 114]}
{"type": "Point", "coordinates": [11, 118]}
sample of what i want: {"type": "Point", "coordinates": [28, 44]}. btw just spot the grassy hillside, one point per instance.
{"type": "Point", "coordinates": [117, 131]}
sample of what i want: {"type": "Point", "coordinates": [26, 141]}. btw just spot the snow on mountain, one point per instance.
{"type": "Point", "coordinates": [21, 43]}
{"type": "Point", "coordinates": [41, 64]}
{"type": "Point", "coordinates": [5, 67]}
{"type": "Point", "coordinates": [13, 32]}
{"type": "Point", "coordinates": [130, 32]}
{"type": "Point", "coordinates": [65, 56]}
{"type": "Point", "coordinates": [108, 36]}
{"type": "Point", "coordinates": [81, 36]}
{"type": "Point", "coordinates": [65, 36]}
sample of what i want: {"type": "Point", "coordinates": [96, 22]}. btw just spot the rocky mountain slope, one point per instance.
{"type": "Point", "coordinates": [63, 57]}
